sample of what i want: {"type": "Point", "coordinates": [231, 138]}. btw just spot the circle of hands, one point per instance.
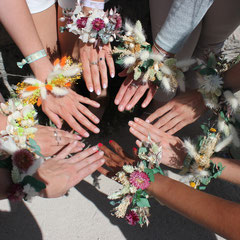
{"type": "Point", "coordinates": [60, 172]}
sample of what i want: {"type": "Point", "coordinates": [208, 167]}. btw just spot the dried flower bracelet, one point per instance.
{"type": "Point", "coordinates": [135, 54]}
{"type": "Point", "coordinates": [64, 74]}
{"type": "Point", "coordinates": [133, 198]}
{"type": "Point", "coordinates": [97, 27]}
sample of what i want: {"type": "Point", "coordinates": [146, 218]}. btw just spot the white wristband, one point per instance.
{"type": "Point", "coordinates": [93, 4]}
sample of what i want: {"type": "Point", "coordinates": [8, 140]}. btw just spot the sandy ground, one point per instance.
{"type": "Point", "coordinates": [85, 213]}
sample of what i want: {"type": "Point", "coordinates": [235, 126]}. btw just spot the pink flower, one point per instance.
{"type": "Point", "coordinates": [118, 21]}
{"type": "Point", "coordinates": [81, 22]}
{"type": "Point", "coordinates": [98, 24]}
{"type": "Point", "coordinates": [139, 180]}
{"type": "Point", "coordinates": [23, 159]}
{"type": "Point", "coordinates": [132, 218]}
{"type": "Point", "coordinates": [15, 192]}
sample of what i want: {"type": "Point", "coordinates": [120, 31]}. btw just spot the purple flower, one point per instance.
{"type": "Point", "coordinates": [132, 218]}
{"type": "Point", "coordinates": [23, 159]}
{"type": "Point", "coordinates": [139, 180]}
{"type": "Point", "coordinates": [15, 192]}
{"type": "Point", "coordinates": [98, 24]}
{"type": "Point", "coordinates": [81, 22]}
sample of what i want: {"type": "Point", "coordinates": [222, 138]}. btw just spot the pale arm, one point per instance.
{"type": "Point", "coordinates": [218, 215]}
{"type": "Point", "coordinates": [17, 20]}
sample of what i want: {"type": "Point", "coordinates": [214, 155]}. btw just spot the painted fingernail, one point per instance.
{"type": "Point", "coordinates": [96, 130]}
{"type": "Point", "coordinates": [134, 149]}
{"type": "Point", "coordinates": [98, 92]}
{"type": "Point", "coordinates": [120, 108]}
{"type": "Point", "coordinates": [110, 141]}
{"type": "Point", "coordinates": [90, 89]}
{"type": "Point", "coordinates": [100, 144]}
{"type": "Point", "coordinates": [86, 134]}
{"type": "Point", "coordinates": [104, 86]}
{"type": "Point", "coordinates": [112, 75]}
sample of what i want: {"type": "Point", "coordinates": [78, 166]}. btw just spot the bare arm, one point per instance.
{"type": "Point", "coordinates": [232, 78]}
{"type": "Point", "coordinates": [214, 213]}
{"type": "Point", "coordinates": [17, 20]}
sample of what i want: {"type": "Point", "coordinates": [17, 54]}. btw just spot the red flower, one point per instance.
{"type": "Point", "coordinates": [132, 218]}
{"type": "Point", "coordinates": [81, 22]}
{"type": "Point", "coordinates": [23, 159]}
{"type": "Point", "coordinates": [15, 192]}
{"type": "Point", "coordinates": [139, 180]}
{"type": "Point", "coordinates": [98, 24]}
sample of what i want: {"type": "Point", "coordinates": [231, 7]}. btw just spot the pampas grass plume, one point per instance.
{"type": "Point", "coordinates": [129, 60]}
{"type": "Point", "coordinates": [231, 100]}
{"type": "Point", "coordinates": [191, 150]}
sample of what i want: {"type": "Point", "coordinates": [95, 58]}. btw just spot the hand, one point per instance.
{"type": "Point", "coordinates": [61, 173]}
{"type": "Point", "coordinates": [94, 64]}
{"type": "Point", "coordinates": [51, 144]}
{"type": "Point", "coordinates": [70, 108]}
{"type": "Point", "coordinates": [179, 112]}
{"type": "Point", "coordinates": [172, 147]}
{"type": "Point", "coordinates": [115, 161]}
{"type": "Point", "coordinates": [131, 92]}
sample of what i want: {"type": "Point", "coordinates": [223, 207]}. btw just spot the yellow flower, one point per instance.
{"type": "Point", "coordinates": [192, 184]}
{"type": "Point", "coordinates": [212, 130]}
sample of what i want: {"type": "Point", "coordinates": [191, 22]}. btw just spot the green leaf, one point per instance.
{"type": "Point", "coordinates": [202, 188]}
{"type": "Point", "coordinates": [204, 128]}
{"type": "Point", "coordinates": [39, 153]}
{"type": "Point", "coordinates": [142, 150]}
{"type": "Point", "coordinates": [32, 142]}
{"type": "Point", "coordinates": [119, 61]}
{"type": "Point", "coordinates": [146, 65]}
{"type": "Point", "coordinates": [211, 61]}
{"type": "Point", "coordinates": [143, 202]}
{"type": "Point", "coordinates": [36, 184]}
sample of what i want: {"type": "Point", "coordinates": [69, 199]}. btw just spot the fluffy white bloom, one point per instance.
{"type": "Point", "coordinates": [33, 81]}
{"type": "Point", "coordinates": [166, 83]}
{"type": "Point", "coordinates": [234, 133]}
{"type": "Point", "coordinates": [165, 69]}
{"type": "Point", "coordinates": [156, 57]}
{"type": "Point", "coordinates": [190, 148]}
{"type": "Point", "coordinates": [221, 145]}
{"type": "Point", "coordinates": [211, 83]}
{"type": "Point", "coordinates": [128, 27]}
{"type": "Point", "coordinates": [8, 145]}
{"type": "Point", "coordinates": [223, 127]}
{"type": "Point", "coordinates": [30, 191]}
{"type": "Point", "coordinates": [144, 55]}
{"type": "Point", "coordinates": [129, 60]}
{"type": "Point", "coordinates": [231, 100]}
{"type": "Point", "coordinates": [59, 91]}
{"type": "Point", "coordinates": [185, 64]}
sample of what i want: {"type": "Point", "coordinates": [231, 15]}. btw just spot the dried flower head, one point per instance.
{"type": "Point", "coordinates": [98, 24]}
{"type": "Point", "coordinates": [15, 192]}
{"type": "Point", "coordinates": [139, 180]}
{"type": "Point", "coordinates": [132, 218]}
{"type": "Point", "coordinates": [23, 159]}
{"type": "Point", "coordinates": [81, 22]}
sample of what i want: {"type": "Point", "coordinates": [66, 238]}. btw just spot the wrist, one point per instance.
{"type": "Point", "coordinates": [158, 49]}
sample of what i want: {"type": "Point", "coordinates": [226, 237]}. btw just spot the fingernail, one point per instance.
{"type": "Point", "coordinates": [147, 121]}
{"type": "Point", "coordinates": [130, 123]}
{"type": "Point", "coordinates": [110, 141]}
{"type": "Point", "coordinates": [101, 152]}
{"type": "Point", "coordinates": [96, 120]}
{"type": "Point", "coordinates": [104, 86]}
{"type": "Point", "coordinates": [112, 75]}
{"type": "Point", "coordinates": [79, 137]}
{"type": "Point", "coordinates": [95, 148]}
{"type": "Point", "coordinates": [86, 134]}
{"type": "Point", "coordinates": [90, 89]}
{"type": "Point", "coordinates": [83, 145]}
{"type": "Point", "coordinates": [143, 105]}
{"type": "Point", "coordinates": [136, 119]}
{"type": "Point", "coordinates": [116, 102]}
{"type": "Point", "coordinates": [102, 160]}
{"type": "Point", "coordinates": [131, 129]}
{"type": "Point", "coordinates": [100, 144]}
{"type": "Point", "coordinates": [134, 149]}
{"type": "Point", "coordinates": [96, 130]}
{"type": "Point", "coordinates": [120, 108]}
{"type": "Point", "coordinates": [128, 107]}
{"type": "Point", "coordinates": [98, 92]}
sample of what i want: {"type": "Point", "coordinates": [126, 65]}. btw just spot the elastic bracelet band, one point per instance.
{"type": "Point", "coordinates": [162, 52]}
{"type": "Point", "coordinates": [32, 58]}
{"type": "Point", "coordinates": [93, 4]}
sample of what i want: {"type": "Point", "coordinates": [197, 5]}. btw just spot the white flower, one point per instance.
{"type": "Point", "coordinates": [129, 60]}
{"type": "Point", "coordinates": [144, 55]}
{"type": "Point", "coordinates": [190, 148]}
{"type": "Point", "coordinates": [231, 100]}
{"type": "Point", "coordinates": [211, 83]}
{"type": "Point", "coordinates": [166, 83]}
{"type": "Point", "coordinates": [30, 191]}
{"type": "Point", "coordinates": [8, 145]}
{"type": "Point", "coordinates": [128, 168]}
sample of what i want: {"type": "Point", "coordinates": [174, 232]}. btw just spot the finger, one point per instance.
{"type": "Point", "coordinates": [95, 71]}
{"type": "Point", "coordinates": [139, 143]}
{"type": "Point", "coordinates": [117, 148]}
{"type": "Point", "coordinates": [176, 128]}
{"type": "Point", "coordinates": [89, 169]}
{"type": "Point", "coordinates": [137, 96]}
{"type": "Point", "coordinates": [123, 73]}
{"type": "Point", "coordinates": [66, 151]}
{"type": "Point", "coordinates": [103, 69]}
{"type": "Point", "coordinates": [137, 134]}
{"type": "Point", "coordinates": [123, 89]}
{"type": "Point", "coordinates": [165, 119]}
{"type": "Point", "coordinates": [159, 112]}
{"type": "Point", "coordinates": [83, 154]}
{"type": "Point", "coordinates": [65, 134]}
{"type": "Point", "coordinates": [110, 61]}
{"type": "Point", "coordinates": [172, 123]}
{"type": "Point", "coordinates": [86, 70]}
{"type": "Point", "coordinates": [127, 97]}
{"type": "Point", "coordinates": [85, 122]}
{"type": "Point", "coordinates": [75, 125]}
{"type": "Point", "coordinates": [88, 113]}
{"type": "Point", "coordinates": [53, 117]}
{"type": "Point", "coordinates": [151, 92]}
{"type": "Point", "coordinates": [103, 171]}
{"type": "Point", "coordinates": [89, 160]}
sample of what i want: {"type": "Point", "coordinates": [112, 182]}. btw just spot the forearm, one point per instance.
{"type": "Point", "coordinates": [231, 170]}
{"type": "Point", "coordinates": [5, 182]}
{"type": "Point", "coordinates": [3, 122]}
{"type": "Point", "coordinates": [202, 208]}
{"type": "Point", "coordinates": [17, 20]}
{"type": "Point", "coordinates": [232, 78]}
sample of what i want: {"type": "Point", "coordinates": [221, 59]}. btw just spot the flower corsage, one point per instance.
{"type": "Point", "coordinates": [17, 141]}
{"type": "Point", "coordinates": [64, 74]}
{"type": "Point", "coordinates": [135, 54]}
{"type": "Point", "coordinates": [133, 198]}
{"type": "Point", "coordinates": [96, 27]}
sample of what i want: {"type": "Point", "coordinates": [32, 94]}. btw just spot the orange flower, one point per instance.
{"type": "Point", "coordinates": [31, 88]}
{"type": "Point", "coordinates": [213, 130]}
{"type": "Point", "coordinates": [49, 87]}
{"type": "Point", "coordinates": [39, 102]}
{"type": "Point", "coordinates": [68, 84]}
{"type": "Point", "coordinates": [57, 61]}
{"type": "Point", "coordinates": [63, 61]}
